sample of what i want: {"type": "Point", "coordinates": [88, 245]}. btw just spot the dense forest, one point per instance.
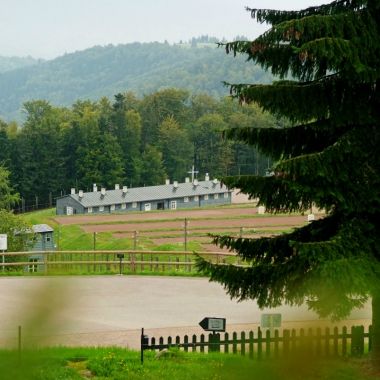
{"type": "Point", "coordinates": [197, 65]}
{"type": "Point", "coordinates": [131, 140]}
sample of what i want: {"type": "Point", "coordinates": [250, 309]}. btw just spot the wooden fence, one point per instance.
{"type": "Point", "coordinates": [127, 261]}
{"type": "Point", "coordinates": [270, 344]}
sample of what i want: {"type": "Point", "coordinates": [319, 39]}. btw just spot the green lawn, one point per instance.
{"type": "Point", "coordinates": [118, 364]}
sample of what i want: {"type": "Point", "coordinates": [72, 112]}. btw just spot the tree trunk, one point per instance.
{"type": "Point", "coordinates": [376, 329]}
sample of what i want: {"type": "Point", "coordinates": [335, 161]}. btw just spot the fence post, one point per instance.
{"type": "Point", "coordinates": [344, 341]}
{"type": "Point", "coordinates": [286, 341]}
{"type": "Point", "coordinates": [259, 343]}
{"type": "Point", "coordinates": [186, 343]}
{"type": "Point", "coordinates": [234, 342]}
{"type": "Point", "coordinates": [19, 342]}
{"type": "Point", "coordinates": [214, 342]}
{"type": "Point", "coordinates": [144, 343]}
{"type": "Point", "coordinates": [370, 336]}
{"type": "Point", "coordinates": [318, 342]}
{"type": "Point", "coordinates": [357, 340]}
{"type": "Point", "coordinates": [327, 342]}
{"type": "Point", "coordinates": [242, 344]}
{"type": "Point", "coordinates": [46, 255]}
{"type": "Point", "coordinates": [202, 343]}
{"type": "Point", "coordinates": [226, 343]}
{"type": "Point", "coordinates": [250, 345]}
{"type": "Point", "coordinates": [335, 341]}
{"type": "Point", "coordinates": [194, 342]}
{"type": "Point", "coordinates": [276, 343]}
{"type": "Point", "coordinates": [267, 343]}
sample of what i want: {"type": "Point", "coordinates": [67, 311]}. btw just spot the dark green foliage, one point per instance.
{"type": "Point", "coordinates": [106, 71]}
{"type": "Point", "coordinates": [328, 157]}
{"type": "Point", "coordinates": [106, 143]}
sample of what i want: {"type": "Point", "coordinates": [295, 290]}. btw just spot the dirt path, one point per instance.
{"type": "Point", "coordinates": [279, 221]}
{"type": "Point", "coordinates": [111, 310]}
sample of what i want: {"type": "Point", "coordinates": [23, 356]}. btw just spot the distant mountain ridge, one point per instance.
{"type": "Point", "coordinates": [13, 63]}
{"type": "Point", "coordinates": [139, 67]}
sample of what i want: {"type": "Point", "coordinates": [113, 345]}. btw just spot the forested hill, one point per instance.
{"type": "Point", "coordinates": [106, 71]}
{"type": "Point", "coordinates": [13, 63]}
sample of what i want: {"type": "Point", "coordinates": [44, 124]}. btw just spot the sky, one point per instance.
{"type": "Point", "coordinates": [50, 28]}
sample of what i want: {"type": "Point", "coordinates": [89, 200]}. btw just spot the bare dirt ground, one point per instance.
{"type": "Point", "coordinates": [168, 226]}
{"type": "Point", "coordinates": [111, 310]}
{"type": "Point", "coordinates": [278, 221]}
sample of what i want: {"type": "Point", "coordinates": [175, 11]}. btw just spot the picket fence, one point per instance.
{"type": "Point", "coordinates": [271, 344]}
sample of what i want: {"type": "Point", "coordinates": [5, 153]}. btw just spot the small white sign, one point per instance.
{"type": "Point", "coordinates": [310, 217]}
{"type": "Point", "coordinates": [261, 210]}
{"type": "Point", "coordinates": [3, 242]}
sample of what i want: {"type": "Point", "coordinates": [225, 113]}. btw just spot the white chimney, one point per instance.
{"type": "Point", "coordinates": [125, 189]}
{"type": "Point", "coordinates": [117, 187]}
{"type": "Point", "coordinates": [187, 180]}
{"type": "Point", "coordinates": [215, 181]}
{"type": "Point", "coordinates": [195, 183]}
{"type": "Point", "coordinates": [167, 182]}
{"type": "Point", "coordinates": [80, 193]}
{"type": "Point", "coordinates": [175, 184]}
{"type": "Point", "coordinates": [207, 177]}
{"type": "Point", "coordinates": [103, 191]}
{"type": "Point", "coordinates": [72, 190]}
{"type": "Point", "coordinates": [95, 188]}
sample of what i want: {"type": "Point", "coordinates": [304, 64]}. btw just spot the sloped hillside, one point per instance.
{"type": "Point", "coordinates": [105, 71]}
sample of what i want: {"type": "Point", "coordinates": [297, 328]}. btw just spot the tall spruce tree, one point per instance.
{"type": "Point", "coordinates": [327, 59]}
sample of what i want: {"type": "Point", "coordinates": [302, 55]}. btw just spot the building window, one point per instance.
{"type": "Point", "coordinates": [112, 207]}
{"type": "Point", "coordinates": [101, 208]}
{"type": "Point", "coordinates": [89, 210]}
{"type": "Point", "coordinates": [123, 206]}
{"type": "Point", "coordinates": [186, 199]}
{"type": "Point", "coordinates": [48, 238]}
{"type": "Point", "coordinates": [225, 195]}
{"type": "Point", "coordinates": [196, 198]}
{"type": "Point", "coordinates": [173, 205]}
{"type": "Point", "coordinates": [33, 268]}
{"type": "Point", "coordinates": [134, 205]}
{"type": "Point", "coordinates": [216, 196]}
{"type": "Point", "coordinates": [205, 197]}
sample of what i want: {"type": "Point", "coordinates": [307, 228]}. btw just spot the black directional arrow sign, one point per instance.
{"type": "Point", "coordinates": [213, 324]}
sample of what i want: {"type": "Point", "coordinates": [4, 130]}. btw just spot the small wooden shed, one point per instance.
{"type": "Point", "coordinates": [43, 240]}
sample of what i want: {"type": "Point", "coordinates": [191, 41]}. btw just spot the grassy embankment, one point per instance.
{"type": "Point", "coordinates": [117, 364]}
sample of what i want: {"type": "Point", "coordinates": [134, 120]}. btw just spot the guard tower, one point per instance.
{"type": "Point", "coordinates": [43, 240]}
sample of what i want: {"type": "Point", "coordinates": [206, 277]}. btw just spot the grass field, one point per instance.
{"type": "Point", "coordinates": [118, 364]}
{"type": "Point", "coordinates": [163, 230]}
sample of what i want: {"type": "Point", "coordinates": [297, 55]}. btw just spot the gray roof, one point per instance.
{"type": "Point", "coordinates": [40, 228]}
{"type": "Point", "coordinates": [150, 193]}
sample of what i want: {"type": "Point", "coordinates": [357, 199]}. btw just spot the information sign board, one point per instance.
{"type": "Point", "coordinates": [269, 321]}
{"type": "Point", "coordinates": [3, 242]}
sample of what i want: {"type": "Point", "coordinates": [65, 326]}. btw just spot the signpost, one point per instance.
{"type": "Point", "coordinates": [213, 324]}
{"type": "Point", "coordinates": [3, 246]}
{"type": "Point", "coordinates": [120, 256]}
{"type": "Point", "coordinates": [270, 321]}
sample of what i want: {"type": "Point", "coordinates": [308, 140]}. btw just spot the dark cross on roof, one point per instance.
{"type": "Point", "coordinates": [193, 172]}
